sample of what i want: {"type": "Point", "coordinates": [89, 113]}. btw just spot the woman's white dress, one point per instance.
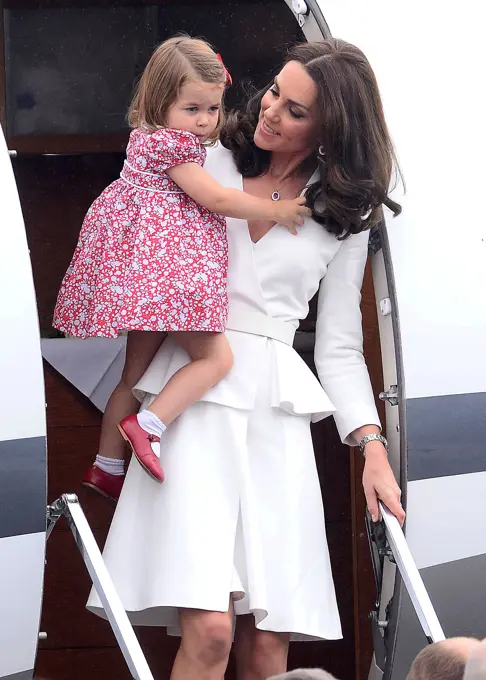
{"type": "Point", "coordinates": [240, 513]}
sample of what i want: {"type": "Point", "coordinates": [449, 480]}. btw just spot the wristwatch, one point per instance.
{"type": "Point", "coordinates": [370, 438]}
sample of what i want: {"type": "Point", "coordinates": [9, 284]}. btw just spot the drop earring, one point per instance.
{"type": "Point", "coordinates": [321, 155]}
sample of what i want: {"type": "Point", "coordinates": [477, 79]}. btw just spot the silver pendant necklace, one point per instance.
{"type": "Point", "coordinates": [276, 193]}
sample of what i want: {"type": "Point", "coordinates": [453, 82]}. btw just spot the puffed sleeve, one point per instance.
{"type": "Point", "coordinates": [339, 339]}
{"type": "Point", "coordinates": [167, 148]}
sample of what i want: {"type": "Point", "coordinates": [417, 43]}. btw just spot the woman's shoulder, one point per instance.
{"type": "Point", "coordinates": [219, 153]}
{"type": "Point", "coordinates": [219, 163]}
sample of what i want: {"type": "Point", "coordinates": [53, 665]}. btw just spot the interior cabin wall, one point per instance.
{"type": "Point", "coordinates": [55, 193]}
{"type": "Point", "coordinates": [68, 90]}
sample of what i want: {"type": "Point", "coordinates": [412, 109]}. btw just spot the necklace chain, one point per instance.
{"type": "Point", "coordinates": [275, 195]}
{"type": "Point", "coordinates": [276, 192]}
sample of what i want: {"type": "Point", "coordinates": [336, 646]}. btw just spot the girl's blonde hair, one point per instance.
{"type": "Point", "coordinates": [175, 62]}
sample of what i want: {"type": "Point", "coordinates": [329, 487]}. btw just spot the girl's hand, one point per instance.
{"type": "Point", "coordinates": [290, 213]}
{"type": "Point", "coordinates": [379, 483]}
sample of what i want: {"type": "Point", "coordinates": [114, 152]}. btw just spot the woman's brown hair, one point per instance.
{"type": "Point", "coordinates": [175, 62]}
{"type": "Point", "coordinates": [354, 152]}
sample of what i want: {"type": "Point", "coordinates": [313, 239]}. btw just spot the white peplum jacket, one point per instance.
{"type": "Point", "coordinates": [270, 284]}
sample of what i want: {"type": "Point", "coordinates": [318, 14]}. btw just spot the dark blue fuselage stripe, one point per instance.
{"type": "Point", "coordinates": [446, 435]}
{"type": "Point", "coordinates": [23, 498]}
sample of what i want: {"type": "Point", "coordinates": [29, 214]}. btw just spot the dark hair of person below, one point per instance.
{"type": "Point", "coordinates": [356, 169]}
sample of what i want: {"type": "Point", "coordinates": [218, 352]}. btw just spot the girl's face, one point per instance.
{"type": "Point", "coordinates": [197, 108]}
{"type": "Point", "coordinates": [288, 113]}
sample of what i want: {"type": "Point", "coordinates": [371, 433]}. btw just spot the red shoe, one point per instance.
{"type": "Point", "coordinates": [141, 441]}
{"type": "Point", "coordinates": [107, 485]}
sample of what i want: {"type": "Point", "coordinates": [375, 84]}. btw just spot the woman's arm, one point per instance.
{"type": "Point", "coordinates": [343, 373]}
{"type": "Point", "coordinates": [201, 187]}
{"type": "Point", "coordinates": [339, 340]}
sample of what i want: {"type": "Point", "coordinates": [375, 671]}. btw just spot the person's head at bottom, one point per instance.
{"type": "Point", "coordinates": [304, 674]}
{"type": "Point", "coordinates": [445, 660]}
{"type": "Point", "coordinates": [476, 665]}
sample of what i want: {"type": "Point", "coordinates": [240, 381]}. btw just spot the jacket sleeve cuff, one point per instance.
{"type": "Point", "coordinates": [353, 416]}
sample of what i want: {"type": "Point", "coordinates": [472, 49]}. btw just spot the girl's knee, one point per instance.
{"type": "Point", "coordinates": [225, 360]}
{"type": "Point", "coordinates": [213, 348]}
{"type": "Point", "coordinates": [222, 355]}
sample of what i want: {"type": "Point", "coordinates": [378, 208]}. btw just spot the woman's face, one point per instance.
{"type": "Point", "coordinates": [288, 113]}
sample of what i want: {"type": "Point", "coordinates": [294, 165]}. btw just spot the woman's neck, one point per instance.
{"type": "Point", "coordinates": [284, 165]}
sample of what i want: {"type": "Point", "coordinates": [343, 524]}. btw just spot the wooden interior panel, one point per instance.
{"type": "Point", "coordinates": [67, 407]}
{"type": "Point", "coordinates": [364, 583]}
{"type": "Point", "coordinates": [81, 664]}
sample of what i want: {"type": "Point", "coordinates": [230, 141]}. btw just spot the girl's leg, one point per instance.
{"type": "Point", "coordinates": [259, 653]}
{"type": "Point", "coordinates": [211, 360]}
{"type": "Point", "coordinates": [205, 645]}
{"type": "Point", "coordinates": [141, 349]}
{"type": "Point", "coordinates": [107, 474]}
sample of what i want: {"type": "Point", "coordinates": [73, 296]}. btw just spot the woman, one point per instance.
{"type": "Point", "coordinates": [238, 527]}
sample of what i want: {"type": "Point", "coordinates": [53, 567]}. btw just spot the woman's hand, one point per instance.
{"type": "Point", "coordinates": [379, 482]}
{"type": "Point", "coordinates": [290, 213]}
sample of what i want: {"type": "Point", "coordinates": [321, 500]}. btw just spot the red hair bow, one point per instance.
{"type": "Point", "coordinates": [229, 79]}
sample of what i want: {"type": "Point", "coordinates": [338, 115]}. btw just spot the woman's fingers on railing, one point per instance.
{"type": "Point", "coordinates": [379, 483]}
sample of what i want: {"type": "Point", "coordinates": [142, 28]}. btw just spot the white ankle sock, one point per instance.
{"type": "Point", "coordinates": [150, 423]}
{"type": "Point", "coordinates": [114, 466]}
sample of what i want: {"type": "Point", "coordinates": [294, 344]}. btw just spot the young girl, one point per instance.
{"type": "Point", "coordinates": [152, 253]}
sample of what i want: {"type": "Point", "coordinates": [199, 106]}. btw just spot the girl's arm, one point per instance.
{"type": "Point", "coordinates": [202, 188]}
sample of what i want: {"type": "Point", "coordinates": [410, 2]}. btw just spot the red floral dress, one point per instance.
{"type": "Point", "coordinates": [148, 258]}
